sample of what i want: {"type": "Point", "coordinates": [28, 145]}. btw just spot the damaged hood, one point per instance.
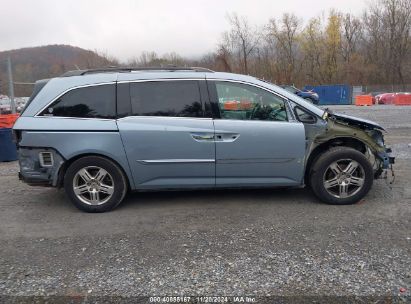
{"type": "Point", "coordinates": [351, 120]}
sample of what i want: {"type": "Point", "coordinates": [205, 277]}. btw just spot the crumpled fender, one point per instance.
{"type": "Point", "coordinates": [340, 129]}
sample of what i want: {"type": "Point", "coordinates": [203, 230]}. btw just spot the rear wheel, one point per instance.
{"type": "Point", "coordinates": [95, 184]}
{"type": "Point", "coordinates": [341, 176]}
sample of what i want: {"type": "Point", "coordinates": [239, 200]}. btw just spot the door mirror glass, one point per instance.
{"type": "Point", "coordinates": [304, 116]}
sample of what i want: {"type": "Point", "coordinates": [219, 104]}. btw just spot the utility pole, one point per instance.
{"type": "Point", "coordinates": [11, 86]}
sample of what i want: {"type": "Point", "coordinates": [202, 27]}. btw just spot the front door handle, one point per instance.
{"type": "Point", "coordinates": [203, 136]}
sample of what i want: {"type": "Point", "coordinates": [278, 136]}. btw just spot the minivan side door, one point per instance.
{"type": "Point", "coordinates": [166, 132]}
{"type": "Point", "coordinates": [258, 143]}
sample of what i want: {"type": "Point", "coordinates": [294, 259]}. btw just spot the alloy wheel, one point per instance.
{"type": "Point", "coordinates": [344, 178]}
{"type": "Point", "coordinates": [93, 185]}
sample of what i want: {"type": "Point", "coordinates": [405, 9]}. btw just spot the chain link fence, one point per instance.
{"type": "Point", "coordinates": [394, 88]}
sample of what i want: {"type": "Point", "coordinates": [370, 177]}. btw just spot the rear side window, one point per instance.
{"type": "Point", "coordinates": [89, 102]}
{"type": "Point", "coordinates": [166, 98]}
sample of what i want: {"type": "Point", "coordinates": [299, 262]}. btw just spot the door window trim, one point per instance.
{"type": "Point", "coordinates": [163, 117]}
{"type": "Point", "coordinates": [213, 96]}
{"type": "Point", "coordinates": [204, 96]}
{"type": "Point", "coordinates": [160, 79]}
{"type": "Point", "coordinates": [72, 89]}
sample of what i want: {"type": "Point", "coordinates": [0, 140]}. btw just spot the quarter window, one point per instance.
{"type": "Point", "coordinates": [89, 102]}
{"type": "Point", "coordinates": [245, 102]}
{"type": "Point", "coordinates": [166, 98]}
{"type": "Point", "coordinates": [304, 116]}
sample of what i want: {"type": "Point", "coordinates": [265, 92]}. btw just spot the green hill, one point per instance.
{"type": "Point", "coordinates": [31, 64]}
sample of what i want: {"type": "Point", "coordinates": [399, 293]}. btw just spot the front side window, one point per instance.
{"type": "Point", "coordinates": [89, 102]}
{"type": "Point", "coordinates": [246, 102]}
{"type": "Point", "coordinates": [166, 98]}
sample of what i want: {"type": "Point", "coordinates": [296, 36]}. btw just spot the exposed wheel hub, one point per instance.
{"type": "Point", "coordinates": [93, 185]}
{"type": "Point", "coordinates": [344, 178]}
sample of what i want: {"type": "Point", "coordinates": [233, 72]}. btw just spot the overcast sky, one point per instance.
{"type": "Point", "coordinates": [125, 28]}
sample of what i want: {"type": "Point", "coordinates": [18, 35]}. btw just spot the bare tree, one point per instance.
{"type": "Point", "coordinates": [398, 18]}
{"type": "Point", "coordinates": [352, 33]}
{"type": "Point", "coordinates": [244, 37]}
{"type": "Point", "coordinates": [223, 57]}
{"type": "Point", "coordinates": [332, 43]}
{"type": "Point", "coordinates": [388, 24]}
{"type": "Point", "coordinates": [312, 47]}
{"type": "Point", "coordinates": [285, 35]}
{"type": "Point", "coordinates": [351, 36]}
{"type": "Point", "coordinates": [147, 59]}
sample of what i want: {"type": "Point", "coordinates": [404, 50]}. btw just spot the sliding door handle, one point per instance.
{"type": "Point", "coordinates": [203, 136]}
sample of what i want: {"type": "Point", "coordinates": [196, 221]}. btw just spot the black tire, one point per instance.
{"type": "Point", "coordinates": [322, 164]}
{"type": "Point", "coordinates": [119, 183]}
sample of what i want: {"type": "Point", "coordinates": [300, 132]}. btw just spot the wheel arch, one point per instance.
{"type": "Point", "coordinates": [68, 162]}
{"type": "Point", "coordinates": [343, 141]}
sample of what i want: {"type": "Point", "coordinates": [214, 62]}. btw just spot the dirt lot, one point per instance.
{"type": "Point", "coordinates": [259, 242]}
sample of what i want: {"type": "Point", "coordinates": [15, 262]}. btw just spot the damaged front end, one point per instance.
{"type": "Point", "coordinates": [369, 133]}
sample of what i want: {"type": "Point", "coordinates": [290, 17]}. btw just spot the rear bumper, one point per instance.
{"type": "Point", "coordinates": [35, 181]}
{"type": "Point", "coordinates": [31, 170]}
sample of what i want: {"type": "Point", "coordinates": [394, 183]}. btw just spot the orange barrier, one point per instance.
{"type": "Point", "coordinates": [363, 100]}
{"type": "Point", "coordinates": [245, 105]}
{"type": "Point", "coordinates": [231, 105]}
{"type": "Point", "coordinates": [402, 100]}
{"type": "Point", "coordinates": [8, 120]}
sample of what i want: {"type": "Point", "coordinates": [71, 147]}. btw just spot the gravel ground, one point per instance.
{"type": "Point", "coordinates": [246, 242]}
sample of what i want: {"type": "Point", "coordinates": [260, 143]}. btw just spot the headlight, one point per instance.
{"type": "Point", "coordinates": [315, 95]}
{"type": "Point", "coordinates": [377, 136]}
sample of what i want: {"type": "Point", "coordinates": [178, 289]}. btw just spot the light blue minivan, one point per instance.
{"type": "Point", "coordinates": [102, 133]}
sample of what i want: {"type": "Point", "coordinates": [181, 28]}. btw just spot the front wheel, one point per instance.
{"type": "Point", "coordinates": [95, 184]}
{"type": "Point", "coordinates": [341, 176]}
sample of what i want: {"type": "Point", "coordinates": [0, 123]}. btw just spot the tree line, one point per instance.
{"type": "Point", "coordinates": [371, 48]}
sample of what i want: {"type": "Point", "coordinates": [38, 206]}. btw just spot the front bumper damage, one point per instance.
{"type": "Point", "coordinates": [386, 160]}
{"type": "Point", "coordinates": [367, 132]}
{"type": "Point", "coordinates": [33, 172]}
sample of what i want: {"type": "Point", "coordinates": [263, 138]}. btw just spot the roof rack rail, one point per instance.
{"type": "Point", "coordinates": [131, 69]}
